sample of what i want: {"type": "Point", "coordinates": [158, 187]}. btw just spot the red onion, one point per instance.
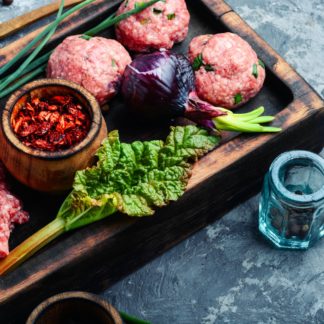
{"type": "Point", "coordinates": [161, 85]}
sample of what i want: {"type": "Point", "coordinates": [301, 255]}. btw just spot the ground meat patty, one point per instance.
{"type": "Point", "coordinates": [96, 64]}
{"type": "Point", "coordinates": [228, 72]}
{"type": "Point", "coordinates": [10, 213]}
{"type": "Point", "coordinates": [156, 27]}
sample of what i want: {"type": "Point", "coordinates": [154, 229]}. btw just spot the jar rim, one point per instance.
{"type": "Point", "coordinates": [283, 160]}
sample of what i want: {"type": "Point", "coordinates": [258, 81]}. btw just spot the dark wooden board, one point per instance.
{"type": "Point", "coordinates": [94, 257]}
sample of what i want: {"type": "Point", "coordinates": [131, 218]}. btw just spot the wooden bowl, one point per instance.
{"type": "Point", "coordinates": [74, 307]}
{"type": "Point", "coordinates": [42, 170]}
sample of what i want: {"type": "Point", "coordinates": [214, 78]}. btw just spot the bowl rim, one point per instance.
{"type": "Point", "coordinates": [40, 83]}
{"type": "Point", "coordinates": [70, 295]}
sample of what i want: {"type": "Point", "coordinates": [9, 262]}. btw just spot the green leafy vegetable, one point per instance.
{"type": "Point", "coordinates": [157, 11]}
{"type": "Point", "coordinates": [139, 4]}
{"type": "Point", "coordinates": [36, 66]}
{"type": "Point", "coordinates": [208, 67]}
{"type": "Point", "coordinates": [131, 319]}
{"type": "Point", "coordinates": [171, 16]}
{"type": "Point", "coordinates": [248, 123]}
{"type": "Point", "coordinates": [198, 62]}
{"type": "Point", "coordinates": [129, 178]}
{"type": "Point", "coordinates": [255, 71]}
{"type": "Point", "coordinates": [261, 64]}
{"type": "Point", "coordinates": [238, 98]}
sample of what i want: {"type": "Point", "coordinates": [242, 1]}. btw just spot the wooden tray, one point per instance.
{"type": "Point", "coordinates": [94, 257]}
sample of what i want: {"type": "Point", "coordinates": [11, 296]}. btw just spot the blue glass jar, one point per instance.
{"type": "Point", "coordinates": [291, 210]}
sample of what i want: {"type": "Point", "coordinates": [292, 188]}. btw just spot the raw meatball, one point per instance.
{"type": "Point", "coordinates": [156, 27]}
{"type": "Point", "coordinates": [11, 213]}
{"type": "Point", "coordinates": [97, 64]}
{"type": "Point", "coordinates": [228, 72]}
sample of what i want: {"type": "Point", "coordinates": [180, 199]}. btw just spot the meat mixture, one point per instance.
{"type": "Point", "coordinates": [157, 27]}
{"type": "Point", "coordinates": [228, 72]}
{"type": "Point", "coordinates": [11, 213]}
{"type": "Point", "coordinates": [96, 64]}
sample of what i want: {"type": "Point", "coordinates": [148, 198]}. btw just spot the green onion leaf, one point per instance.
{"type": "Point", "coordinates": [157, 11]}
{"type": "Point", "coordinates": [131, 319]}
{"type": "Point", "coordinates": [255, 71]}
{"type": "Point", "coordinates": [113, 63]}
{"type": "Point", "coordinates": [41, 35]}
{"type": "Point", "coordinates": [139, 4]}
{"type": "Point", "coordinates": [171, 16]}
{"type": "Point", "coordinates": [261, 64]}
{"type": "Point", "coordinates": [238, 99]}
{"type": "Point", "coordinates": [208, 67]}
{"type": "Point", "coordinates": [198, 62]}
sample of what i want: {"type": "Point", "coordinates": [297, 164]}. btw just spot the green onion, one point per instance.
{"type": "Point", "coordinates": [157, 11]}
{"type": "Point", "coordinates": [255, 71]}
{"type": "Point", "coordinates": [40, 36]}
{"type": "Point", "coordinates": [248, 122]}
{"type": "Point", "coordinates": [261, 64]}
{"type": "Point", "coordinates": [138, 4]}
{"type": "Point", "coordinates": [22, 67]}
{"type": "Point", "coordinates": [23, 81]}
{"type": "Point", "coordinates": [238, 99]}
{"type": "Point", "coordinates": [113, 20]}
{"type": "Point", "coordinates": [208, 67]}
{"type": "Point", "coordinates": [38, 63]}
{"type": "Point", "coordinates": [171, 16]}
{"type": "Point", "coordinates": [131, 319]}
{"type": "Point", "coordinates": [198, 62]}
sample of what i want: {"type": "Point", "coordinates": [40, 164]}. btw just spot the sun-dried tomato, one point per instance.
{"type": "Point", "coordinates": [51, 124]}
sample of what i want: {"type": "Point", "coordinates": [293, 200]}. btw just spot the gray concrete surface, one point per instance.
{"type": "Point", "coordinates": [227, 273]}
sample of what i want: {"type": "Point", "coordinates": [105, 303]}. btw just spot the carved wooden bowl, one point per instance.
{"type": "Point", "coordinates": [43, 170]}
{"type": "Point", "coordinates": [74, 307]}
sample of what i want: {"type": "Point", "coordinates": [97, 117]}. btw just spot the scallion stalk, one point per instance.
{"type": "Point", "coordinates": [38, 63]}
{"type": "Point", "coordinates": [31, 57]}
{"type": "Point", "coordinates": [131, 319]}
{"type": "Point", "coordinates": [41, 35]}
{"type": "Point", "coordinates": [23, 80]}
{"type": "Point", "coordinates": [112, 20]}
{"type": "Point", "coordinates": [247, 123]}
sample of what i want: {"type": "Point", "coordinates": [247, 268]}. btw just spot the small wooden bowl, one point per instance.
{"type": "Point", "coordinates": [74, 307]}
{"type": "Point", "coordinates": [42, 170]}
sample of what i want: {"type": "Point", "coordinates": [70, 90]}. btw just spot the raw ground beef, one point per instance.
{"type": "Point", "coordinates": [11, 213]}
{"type": "Point", "coordinates": [97, 64]}
{"type": "Point", "coordinates": [156, 27]}
{"type": "Point", "coordinates": [230, 73]}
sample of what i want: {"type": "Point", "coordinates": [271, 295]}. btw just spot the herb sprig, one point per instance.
{"type": "Point", "coordinates": [36, 66]}
{"type": "Point", "coordinates": [199, 62]}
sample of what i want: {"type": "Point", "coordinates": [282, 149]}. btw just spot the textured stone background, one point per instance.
{"type": "Point", "coordinates": [226, 273]}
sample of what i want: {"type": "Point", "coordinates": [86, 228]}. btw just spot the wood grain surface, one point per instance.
{"type": "Point", "coordinates": [94, 257]}
{"type": "Point", "coordinates": [12, 26]}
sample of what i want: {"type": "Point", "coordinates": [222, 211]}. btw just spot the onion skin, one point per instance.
{"type": "Point", "coordinates": [161, 85]}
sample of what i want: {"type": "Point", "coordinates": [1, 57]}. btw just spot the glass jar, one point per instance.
{"type": "Point", "coordinates": [291, 210]}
